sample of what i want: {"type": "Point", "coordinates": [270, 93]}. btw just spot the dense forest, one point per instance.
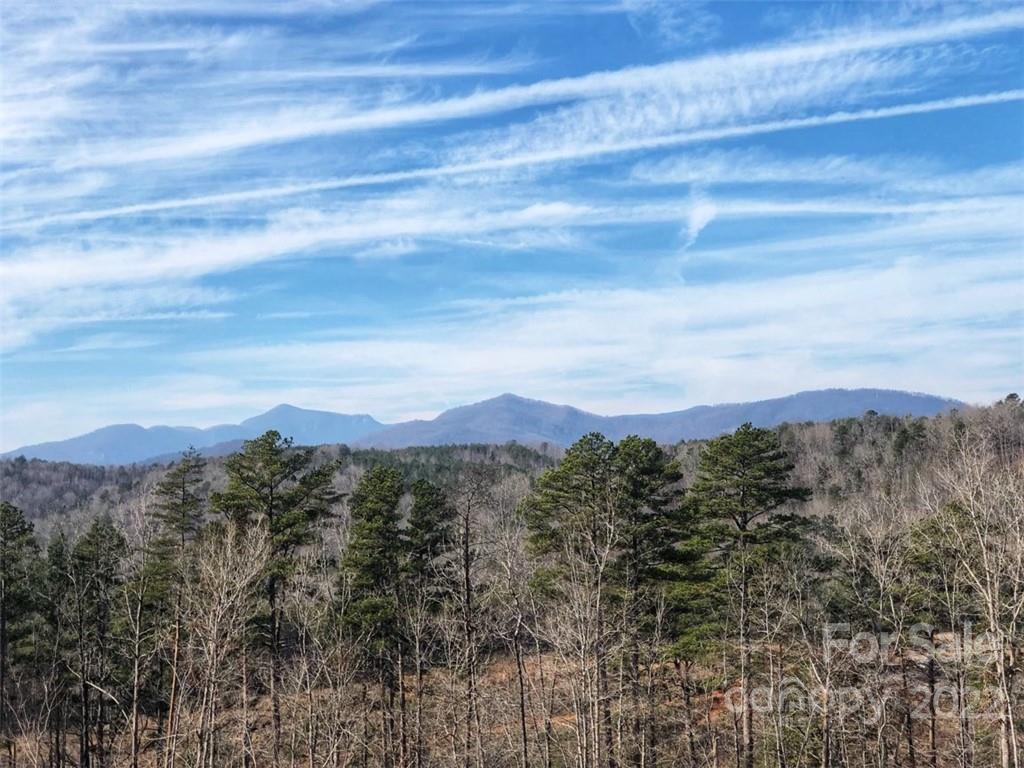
{"type": "Point", "coordinates": [843, 594]}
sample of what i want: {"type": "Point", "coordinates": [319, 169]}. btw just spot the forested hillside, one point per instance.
{"type": "Point", "coordinates": [841, 594]}
{"type": "Point", "coordinates": [70, 495]}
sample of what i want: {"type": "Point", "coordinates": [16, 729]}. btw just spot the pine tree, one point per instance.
{"type": "Point", "coordinates": [94, 571]}
{"type": "Point", "coordinates": [371, 567]}
{"type": "Point", "coordinates": [18, 551]}
{"type": "Point", "coordinates": [611, 507]}
{"type": "Point", "coordinates": [270, 480]}
{"type": "Point", "coordinates": [743, 480]}
{"type": "Point", "coordinates": [428, 542]}
{"type": "Point", "coordinates": [646, 498]}
{"type": "Point", "coordinates": [180, 504]}
{"type": "Point", "coordinates": [180, 507]}
{"type": "Point", "coordinates": [428, 533]}
{"type": "Point", "coordinates": [372, 558]}
{"type": "Point", "coordinates": [55, 642]}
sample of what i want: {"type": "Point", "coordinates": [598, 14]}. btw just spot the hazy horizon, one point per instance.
{"type": "Point", "coordinates": [435, 414]}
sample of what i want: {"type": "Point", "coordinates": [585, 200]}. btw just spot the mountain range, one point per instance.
{"type": "Point", "coordinates": [131, 444]}
{"type": "Point", "coordinates": [498, 420]}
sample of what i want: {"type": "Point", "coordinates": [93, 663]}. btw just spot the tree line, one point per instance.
{"type": "Point", "coordinates": [735, 602]}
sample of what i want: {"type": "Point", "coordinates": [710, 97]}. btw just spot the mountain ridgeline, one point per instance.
{"type": "Point", "coordinates": [131, 444]}
{"type": "Point", "coordinates": [499, 420]}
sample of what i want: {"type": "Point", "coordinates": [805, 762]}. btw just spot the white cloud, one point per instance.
{"type": "Point", "coordinates": [781, 74]}
{"type": "Point", "coordinates": [389, 249]}
{"type": "Point", "coordinates": [701, 343]}
{"type": "Point", "coordinates": [391, 226]}
{"type": "Point", "coordinates": [896, 174]}
{"type": "Point", "coordinates": [702, 213]}
{"type": "Point", "coordinates": [673, 23]}
{"type": "Point", "coordinates": [565, 152]}
{"type": "Point", "coordinates": [106, 342]}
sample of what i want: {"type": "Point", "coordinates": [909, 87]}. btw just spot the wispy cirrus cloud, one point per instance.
{"type": "Point", "coordinates": [392, 226]}
{"type": "Point", "coordinates": [565, 152]}
{"type": "Point", "coordinates": [777, 74]}
{"type": "Point", "coordinates": [421, 179]}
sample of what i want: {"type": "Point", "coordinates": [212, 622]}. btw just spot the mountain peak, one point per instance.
{"type": "Point", "coordinates": [503, 398]}
{"type": "Point", "coordinates": [507, 396]}
{"type": "Point", "coordinates": [283, 409]}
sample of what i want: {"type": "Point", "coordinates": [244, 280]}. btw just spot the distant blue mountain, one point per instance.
{"type": "Point", "coordinates": [510, 417]}
{"type": "Point", "coordinates": [307, 427]}
{"type": "Point", "coordinates": [130, 443]}
{"type": "Point", "coordinates": [498, 420]}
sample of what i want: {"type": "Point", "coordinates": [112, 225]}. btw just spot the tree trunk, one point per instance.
{"type": "Point", "coordinates": [468, 637]}
{"type": "Point", "coordinates": [826, 729]}
{"type": "Point", "coordinates": [933, 726]}
{"type": "Point", "coordinates": [247, 755]}
{"type": "Point", "coordinates": [712, 731]}
{"type": "Point", "coordinates": [403, 739]}
{"type": "Point", "coordinates": [683, 671]}
{"type": "Point", "coordinates": [546, 703]}
{"type": "Point", "coordinates": [651, 730]}
{"type": "Point", "coordinates": [311, 725]}
{"type": "Point", "coordinates": [604, 724]}
{"type": "Point", "coordinates": [521, 678]}
{"type": "Point", "coordinates": [101, 731]}
{"type": "Point", "coordinates": [171, 736]}
{"type": "Point", "coordinates": [909, 714]}
{"type": "Point", "coordinates": [966, 747]}
{"type": "Point", "coordinates": [747, 718]}
{"type": "Point", "coordinates": [5, 736]}
{"type": "Point", "coordinates": [275, 669]}
{"type": "Point", "coordinates": [636, 721]}
{"type": "Point", "coordinates": [366, 726]}
{"type": "Point", "coordinates": [136, 686]}
{"type": "Point", "coordinates": [418, 715]}
{"type": "Point", "coordinates": [1008, 750]}
{"type": "Point", "coordinates": [84, 754]}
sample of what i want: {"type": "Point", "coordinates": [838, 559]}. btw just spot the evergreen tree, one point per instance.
{"type": "Point", "coordinates": [646, 502]}
{"type": "Point", "coordinates": [428, 541]}
{"type": "Point", "coordinates": [94, 580]}
{"type": "Point", "coordinates": [55, 641]}
{"type": "Point", "coordinates": [372, 558]}
{"type": "Point", "coordinates": [646, 495]}
{"type": "Point", "coordinates": [180, 504]}
{"type": "Point", "coordinates": [18, 551]}
{"type": "Point", "coordinates": [179, 510]}
{"type": "Point", "coordinates": [371, 567]}
{"type": "Point", "coordinates": [573, 525]}
{"type": "Point", "coordinates": [694, 595]}
{"type": "Point", "coordinates": [271, 480]}
{"type": "Point", "coordinates": [574, 502]}
{"type": "Point", "coordinates": [743, 479]}
{"type": "Point", "coordinates": [611, 507]}
{"type": "Point", "coordinates": [428, 533]}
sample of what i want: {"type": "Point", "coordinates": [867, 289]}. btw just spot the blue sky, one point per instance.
{"type": "Point", "coordinates": [213, 206]}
